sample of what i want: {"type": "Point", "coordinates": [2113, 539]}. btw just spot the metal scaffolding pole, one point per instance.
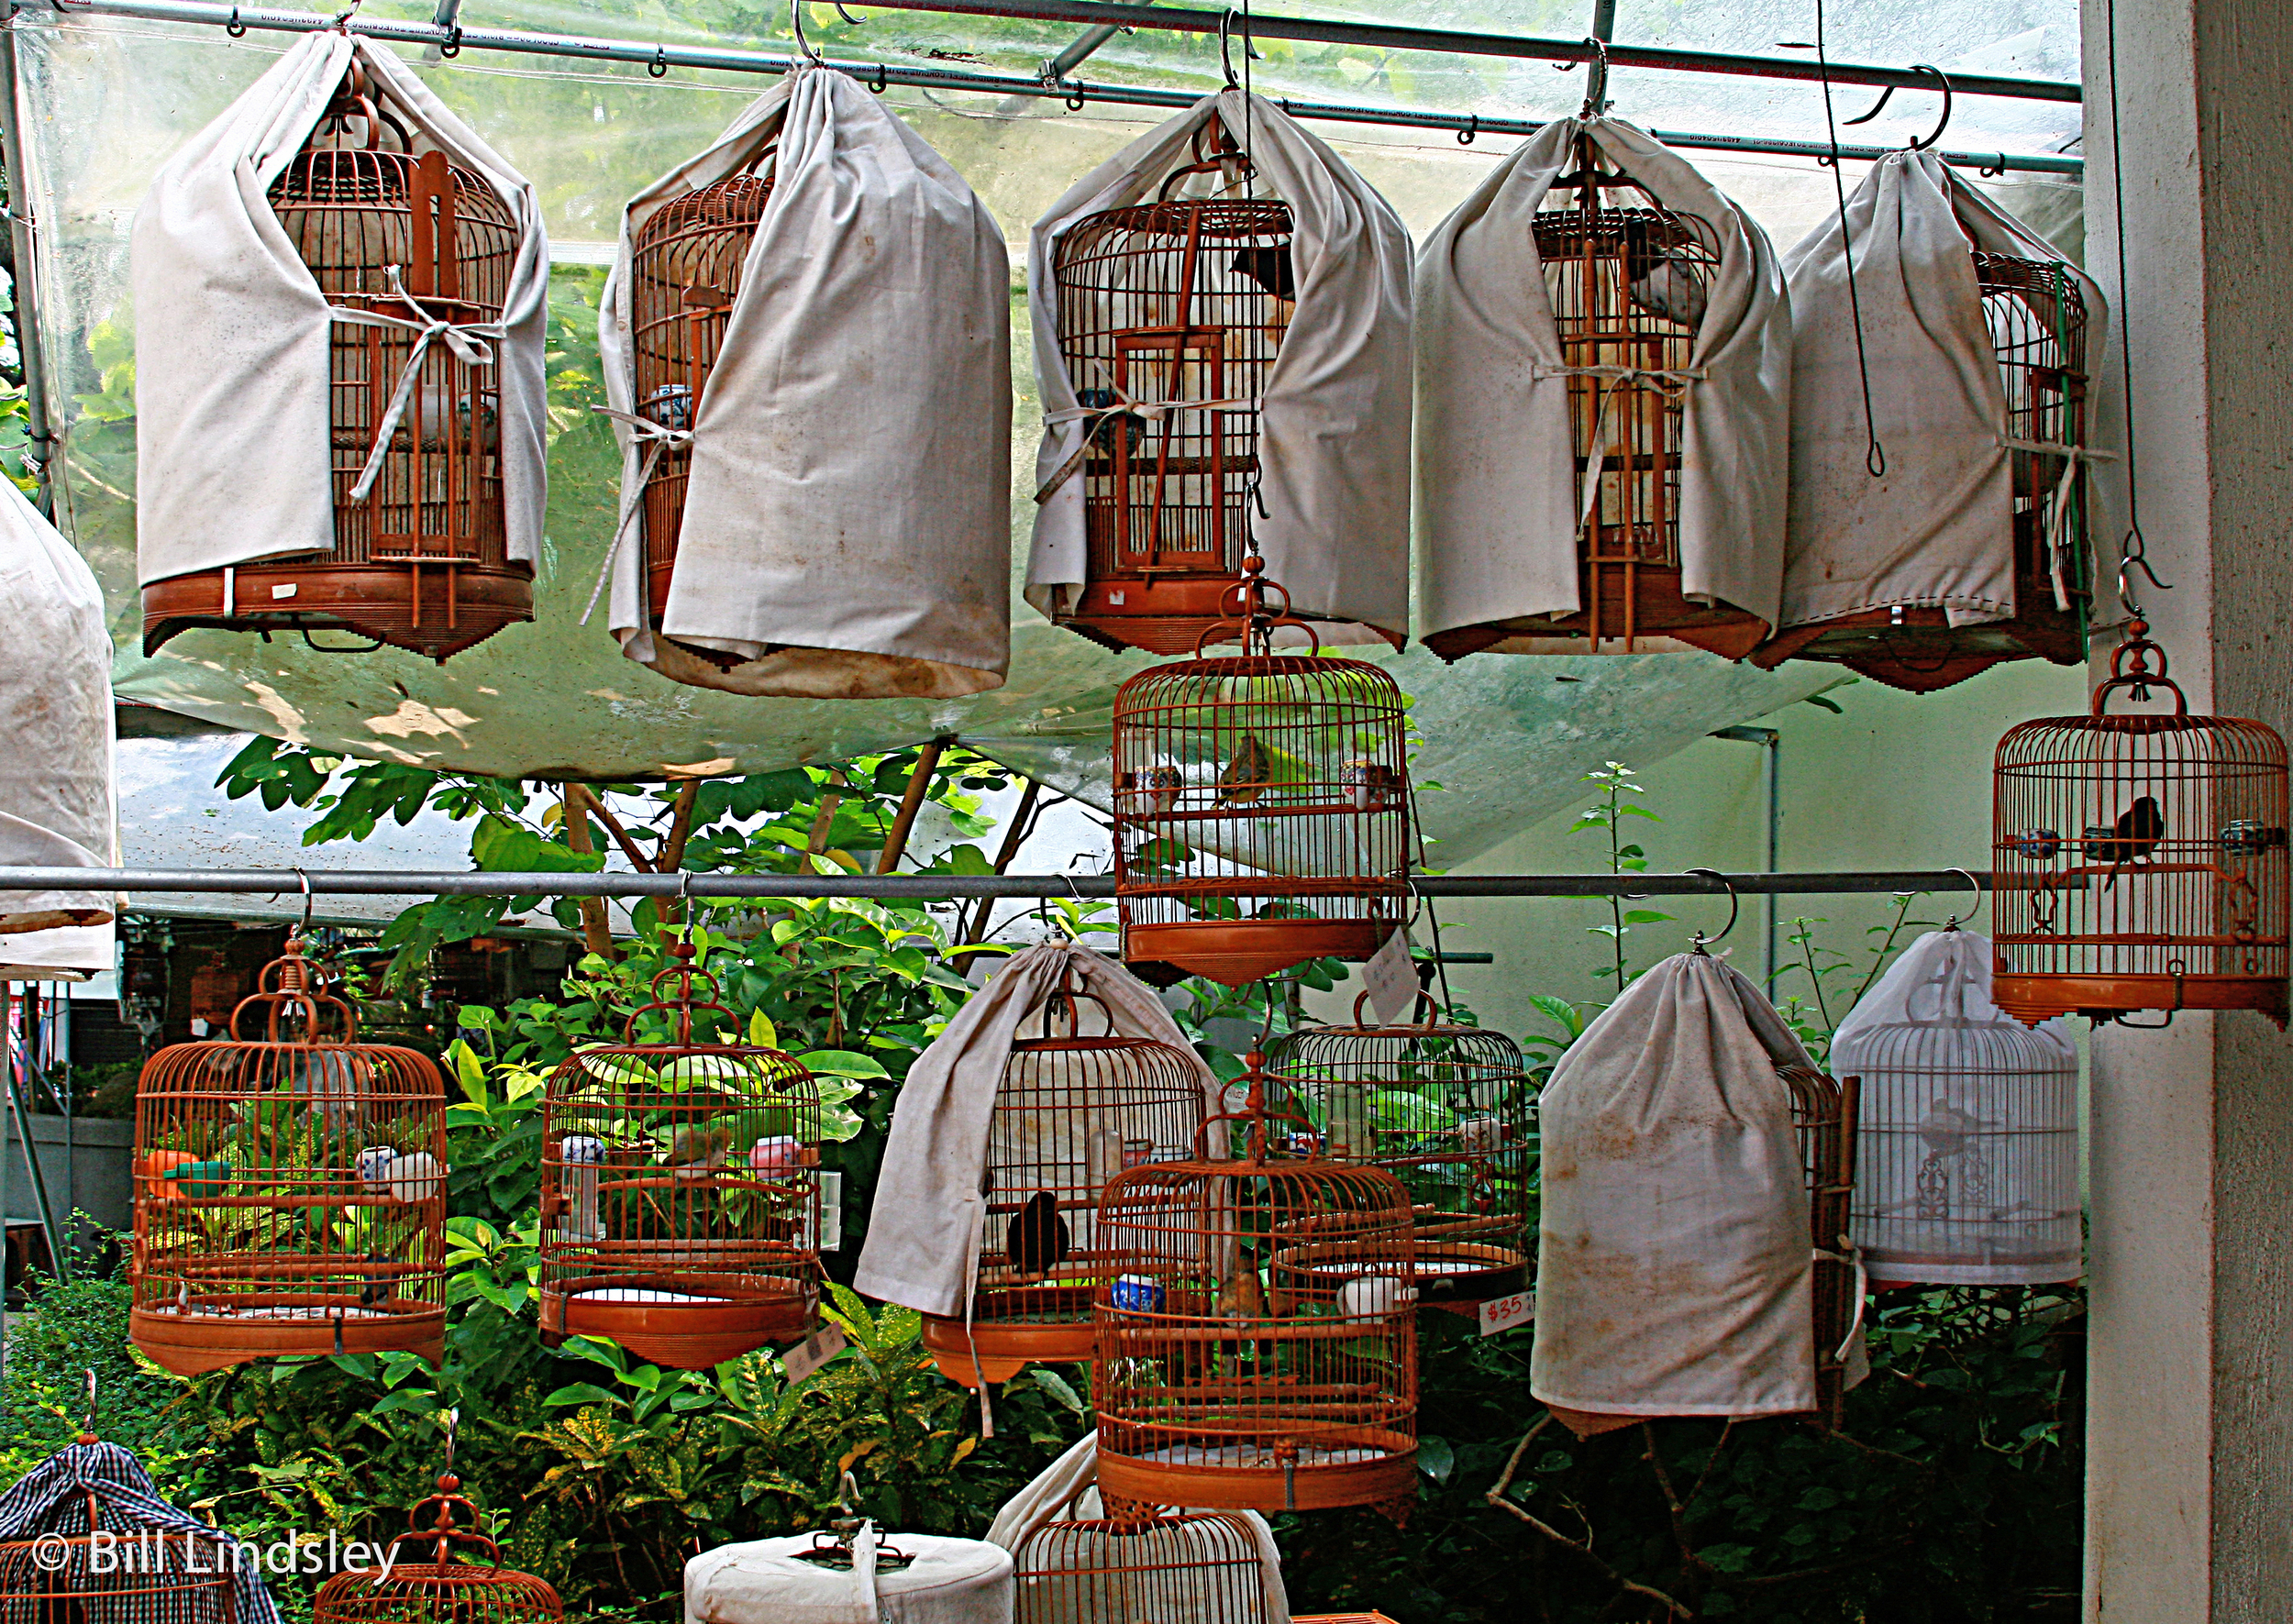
{"type": "Point", "coordinates": [1077, 94]}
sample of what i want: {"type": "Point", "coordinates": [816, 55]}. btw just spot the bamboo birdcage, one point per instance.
{"type": "Point", "coordinates": [1262, 810]}
{"type": "Point", "coordinates": [1627, 283]}
{"type": "Point", "coordinates": [1178, 305]}
{"type": "Point", "coordinates": [290, 1189]}
{"type": "Point", "coordinates": [1257, 1328]}
{"type": "Point", "coordinates": [420, 561]}
{"type": "Point", "coordinates": [1966, 1163]}
{"type": "Point", "coordinates": [680, 1188]}
{"type": "Point", "coordinates": [685, 266]}
{"type": "Point", "coordinates": [444, 1589]}
{"type": "Point", "coordinates": [2035, 313]}
{"type": "Point", "coordinates": [1449, 1110]}
{"type": "Point", "coordinates": [1185, 1568]}
{"type": "Point", "coordinates": [2138, 860]}
{"type": "Point", "coordinates": [101, 1557]}
{"type": "Point", "coordinates": [1070, 1112]}
{"type": "Point", "coordinates": [1824, 1119]}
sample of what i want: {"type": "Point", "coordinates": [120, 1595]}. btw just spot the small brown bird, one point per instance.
{"type": "Point", "coordinates": [1038, 1240]}
{"type": "Point", "coordinates": [2134, 836]}
{"type": "Point", "coordinates": [1248, 774]}
{"type": "Point", "coordinates": [1240, 1296]}
{"type": "Point", "coordinates": [696, 1153]}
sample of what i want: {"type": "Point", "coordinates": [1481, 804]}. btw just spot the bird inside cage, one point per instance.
{"type": "Point", "coordinates": [397, 238]}
{"type": "Point", "coordinates": [686, 264]}
{"type": "Point", "coordinates": [1170, 316]}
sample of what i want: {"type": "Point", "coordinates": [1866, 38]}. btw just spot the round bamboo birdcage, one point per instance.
{"type": "Point", "coordinates": [388, 228]}
{"type": "Point", "coordinates": [1627, 281]}
{"type": "Point", "coordinates": [1824, 1113]}
{"type": "Point", "coordinates": [2035, 313]}
{"type": "Point", "coordinates": [101, 1556]}
{"type": "Point", "coordinates": [1177, 306]}
{"type": "Point", "coordinates": [2138, 860]}
{"type": "Point", "coordinates": [1262, 810]}
{"type": "Point", "coordinates": [1256, 1327]}
{"type": "Point", "coordinates": [1449, 1110]}
{"type": "Point", "coordinates": [1967, 1148]}
{"type": "Point", "coordinates": [1187, 1568]}
{"type": "Point", "coordinates": [447, 1587]}
{"type": "Point", "coordinates": [680, 1187]}
{"type": "Point", "coordinates": [290, 1189]}
{"type": "Point", "coordinates": [685, 266]}
{"type": "Point", "coordinates": [1071, 1111]}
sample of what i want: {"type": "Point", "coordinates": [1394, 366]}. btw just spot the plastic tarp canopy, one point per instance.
{"type": "Point", "coordinates": [112, 96]}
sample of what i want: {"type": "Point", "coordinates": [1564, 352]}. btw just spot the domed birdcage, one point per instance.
{"type": "Point", "coordinates": [1967, 1150]}
{"type": "Point", "coordinates": [680, 1188]}
{"type": "Point", "coordinates": [428, 1580]}
{"type": "Point", "coordinates": [1823, 1110]}
{"type": "Point", "coordinates": [1627, 281]}
{"type": "Point", "coordinates": [290, 1189]}
{"type": "Point", "coordinates": [685, 266]}
{"type": "Point", "coordinates": [1197, 1567]}
{"type": "Point", "coordinates": [1450, 1111]}
{"type": "Point", "coordinates": [2035, 313]}
{"type": "Point", "coordinates": [1071, 1113]}
{"type": "Point", "coordinates": [390, 229]}
{"type": "Point", "coordinates": [1262, 806]}
{"type": "Point", "coordinates": [1176, 305]}
{"type": "Point", "coordinates": [1256, 1320]}
{"type": "Point", "coordinates": [2138, 860]}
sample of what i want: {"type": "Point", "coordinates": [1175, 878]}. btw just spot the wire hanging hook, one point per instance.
{"type": "Point", "coordinates": [304, 928]}
{"type": "Point", "coordinates": [2136, 558]}
{"type": "Point", "coordinates": [1225, 47]}
{"type": "Point", "coordinates": [1596, 82]}
{"type": "Point", "coordinates": [796, 24]}
{"type": "Point", "coordinates": [235, 29]}
{"type": "Point", "coordinates": [658, 66]}
{"type": "Point", "coordinates": [1472, 127]}
{"type": "Point", "coordinates": [87, 1428]}
{"type": "Point", "coordinates": [1734, 906]}
{"type": "Point", "coordinates": [1956, 920]}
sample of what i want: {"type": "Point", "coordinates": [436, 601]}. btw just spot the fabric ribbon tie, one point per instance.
{"type": "Point", "coordinates": [657, 439]}
{"type": "Point", "coordinates": [472, 342]}
{"type": "Point", "coordinates": [1852, 1258]}
{"type": "Point", "coordinates": [1670, 383]}
{"type": "Point", "coordinates": [1145, 411]}
{"type": "Point", "coordinates": [2058, 514]}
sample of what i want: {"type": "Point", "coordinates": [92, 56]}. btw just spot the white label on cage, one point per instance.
{"type": "Point", "coordinates": [1114, 598]}
{"type": "Point", "coordinates": [1391, 978]}
{"type": "Point", "coordinates": [1503, 1313]}
{"type": "Point", "coordinates": [284, 592]}
{"type": "Point", "coordinates": [814, 1352]}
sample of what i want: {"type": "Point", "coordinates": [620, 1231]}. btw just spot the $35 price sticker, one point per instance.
{"type": "Point", "coordinates": [1503, 1313]}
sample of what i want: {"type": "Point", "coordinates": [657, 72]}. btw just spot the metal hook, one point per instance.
{"type": "Point", "coordinates": [305, 929]}
{"type": "Point", "coordinates": [1734, 906]}
{"type": "Point", "coordinates": [847, 16]}
{"type": "Point", "coordinates": [1225, 47]}
{"type": "Point", "coordinates": [1989, 170]}
{"type": "Point", "coordinates": [453, 1426]}
{"type": "Point", "coordinates": [87, 1428]}
{"type": "Point", "coordinates": [1596, 83]}
{"type": "Point", "coordinates": [2135, 560]}
{"type": "Point", "coordinates": [1075, 99]}
{"type": "Point", "coordinates": [452, 47]}
{"type": "Point", "coordinates": [658, 66]}
{"type": "Point", "coordinates": [1952, 922]}
{"type": "Point", "coordinates": [1886, 96]}
{"type": "Point", "coordinates": [796, 24]}
{"type": "Point", "coordinates": [342, 24]}
{"type": "Point", "coordinates": [1472, 127]}
{"type": "Point", "coordinates": [235, 29]}
{"type": "Point", "coordinates": [877, 83]}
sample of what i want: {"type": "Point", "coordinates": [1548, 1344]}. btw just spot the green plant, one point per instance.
{"type": "Point", "coordinates": [1611, 784]}
{"type": "Point", "coordinates": [81, 1325]}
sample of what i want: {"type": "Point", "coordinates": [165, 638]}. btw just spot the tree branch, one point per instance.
{"type": "Point", "coordinates": [1496, 1496]}
{"type": "Point", "coordinates": [596, 803]}
{"type": "Point", "coordinates": [673, 852]}
{"type": "Point", "coordinates": [912, 802]}
{"type": "Point", "coordinates": [596, 929]}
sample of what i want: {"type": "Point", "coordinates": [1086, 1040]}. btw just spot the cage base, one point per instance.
{"type": "Point", "coordinates": [1217, 1488]}
{"type": "Point", "coordinates": [1003, 1349]}
{"type": "Point", "coordinates": [460, 604]}
{"type": "Point", "coordinates": [1918, 651]}
{"type": "Point", "coordinates": [190, 1343]}
{"type": "Point", "coordinates": [1465, 1273]}
{"type": "Point", "coordinates": [1235, 954]}
{"type": "Point", "coordinates": [1661, 616]}
{"type": "Point", "coordinates": [1162, 615]}
{"type": "Point", "coordinates": [2032, 998]}
{"type": "Point", "coordinates": [694, 1334]}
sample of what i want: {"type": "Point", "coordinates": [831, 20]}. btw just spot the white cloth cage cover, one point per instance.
{"type": "Point", "coordinates": [1674, 1263]}
{"type": "Point", "coordinates": [1334, 429]}
{"type": "Point", "coordinates": [1499, 494]}
{"type": "Point", "coordinates": [768, 1582]}
{"type": "Point", "coordinates": [1068, 1490]}
{"type": "Point", "coordinates": [232, 333]}
{"type": "Point", "coordinates": [57, 789]}
{"type": "Point", "coordinates": [1966, 1160]}
{"type": "Point", "coordinates": [846, 527]}
{"type": "Point", "coordinates": [923, 1232]}
{"type": "Point", "coordinates": [1937, 528]}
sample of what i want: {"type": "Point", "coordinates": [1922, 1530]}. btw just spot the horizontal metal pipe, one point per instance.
{"type": "Point", "coordinates": [584, 49]}
{"type": "Point", "coordinates": [375, 883]}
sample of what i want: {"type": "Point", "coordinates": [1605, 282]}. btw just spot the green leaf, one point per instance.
{"type": "Point", "coordinates": [499, 845]}
{"type": "Point", "coordinates": [580, 1393]}
{"type": "Point", "coordinates": [841, 1063]}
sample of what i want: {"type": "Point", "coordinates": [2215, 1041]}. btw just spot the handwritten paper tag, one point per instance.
{"type": "Point", "coordinates": [1391, 978]}
{"type": "Point", "coordinates": [814, 1352]}
{"type": "Point", "coordinates": [1503, 1313]}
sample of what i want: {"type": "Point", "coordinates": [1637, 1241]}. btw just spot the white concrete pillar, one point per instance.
{"type": "Point", "coordinates": [2190, 1505]}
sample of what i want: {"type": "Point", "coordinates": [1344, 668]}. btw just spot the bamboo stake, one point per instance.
{"type": "Point", "coordinates": [596, 930]}
{"type": "Point", "coordinates": [896, 842]}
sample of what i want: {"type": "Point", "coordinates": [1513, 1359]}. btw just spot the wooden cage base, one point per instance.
{"type": "Point", "coordinates": [699, 1333]}
{"type": "Point", "coordinates": [235, 1330]}
{"type": "Point", "coordinates": [1388, 1481]}
{"type": "Point", "coordinates": [1236, 953]}
{"type": "Point", "coordinates": [1004, 1348]}
{"type": "Point", "coordinates": [2030, 998]}
{"type": "Point", "coordinates": [1162, 615]}
{"type": "Point", "coordinates": [1641, 611]}
{"type": "Point", "coordinates": [442, 610]}
{"type": "Point", "coordinates": [1918, 651]}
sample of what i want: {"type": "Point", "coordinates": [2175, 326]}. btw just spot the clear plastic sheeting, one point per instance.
{"type": "Point", "coordinates": [112, 98]}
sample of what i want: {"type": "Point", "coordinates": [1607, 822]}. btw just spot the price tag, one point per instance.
{"type": "Point", "coordinates": [1391, 978]}
{"type": "Point", "coordinates": [814, 1352]}
{"type": "Point", "coordinates": [1506, 1313]}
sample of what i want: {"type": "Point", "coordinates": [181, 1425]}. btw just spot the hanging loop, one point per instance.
{"type": "Point", "coordinates": [1596, 84]}
{"type": "Point", "coordinates": [2130, 669]}
{"type": "Point", "coordinates": [1943, 123]}
{"type": "Point", "coordinates": [1225, 47]}
{"type": "Point", "coordinates": [2135, 558]}
{"type": "Point", "coordinates": [304, 928]}
{"type": "Point", "coordinates": [1734, 906]}
{"type": "Point", "coordinates": [1472, 127]}
{"type": "Point", "coordinates": [1075, 99]}
{"type": "Point", "coordinates": [877, 83]}
{"type": "Point", "coordinates": [452, 47]}
{"type": "Point", "coordinates": [796, 24]}
{"type": "Point", "coordinates": [235, 29]}
{"type": "Point", "coordinates": [1974, 885]}
{"type": "Point", "coordinates": [658, 66]}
